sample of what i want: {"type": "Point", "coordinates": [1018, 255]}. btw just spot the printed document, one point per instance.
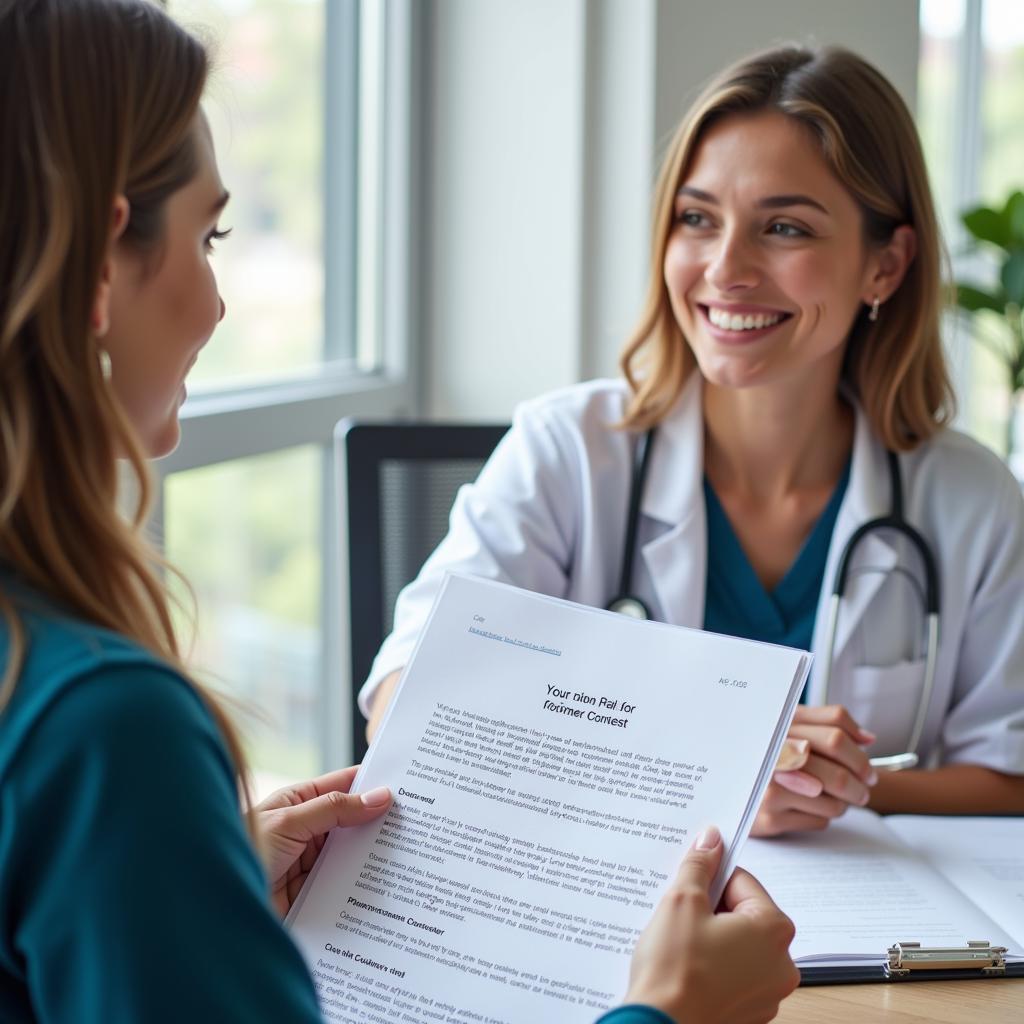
{"type": "Point", "coordinates": [982, 857]}
{"type": "Point", "coordinates": [868, 882]}
{"type": "Point", "coordinates": [551, 764]}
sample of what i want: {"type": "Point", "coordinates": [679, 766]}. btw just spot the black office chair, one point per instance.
{"type": "Point", "coordinates": [397, 482]}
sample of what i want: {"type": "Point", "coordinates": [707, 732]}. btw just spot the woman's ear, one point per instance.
{"type": "Point", "coordinates": [99, 319]}
{"type": "Point", "coordinates": [890, 265]}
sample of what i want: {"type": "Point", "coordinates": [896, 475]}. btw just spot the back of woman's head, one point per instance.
{"type": "Point", "coordinates": [98, 99]}
{"type": "Point", "coordinates": [867, 138]}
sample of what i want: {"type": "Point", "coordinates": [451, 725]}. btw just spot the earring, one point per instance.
{"type": "Point", "coordinates": [106, 366]}
{"type": "Point", "coordinates": [873, 315]}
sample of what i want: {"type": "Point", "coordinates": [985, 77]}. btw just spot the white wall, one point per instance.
{"type": "Point", "coordinates": [543, 121]}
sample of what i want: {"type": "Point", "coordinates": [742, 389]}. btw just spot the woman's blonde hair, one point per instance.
{"type": "Point", "coordinates": [895, 367]}
{"type": "Point", "coordinates": [98, 98]}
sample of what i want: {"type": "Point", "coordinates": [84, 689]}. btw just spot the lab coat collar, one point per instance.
{"type": "Point", "coordinates": [674, 494]}
{"type": "Point", "coordinates": [675, 475]}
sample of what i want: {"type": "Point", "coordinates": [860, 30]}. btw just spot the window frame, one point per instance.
{"type": "Point", "coordinates": [221, 424]}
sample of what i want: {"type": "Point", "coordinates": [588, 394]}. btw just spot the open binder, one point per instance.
{"type": "Point", "coordinates": [861, 889]}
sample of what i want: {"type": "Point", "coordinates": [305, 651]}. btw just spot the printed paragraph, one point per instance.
{"type": "Point", "coordinates": [462, 740]}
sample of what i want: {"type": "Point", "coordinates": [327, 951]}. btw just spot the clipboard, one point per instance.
{"type": "Point", "coordinates": [896, 900]}
{"type": "Point", "coordinates": [910, 961]}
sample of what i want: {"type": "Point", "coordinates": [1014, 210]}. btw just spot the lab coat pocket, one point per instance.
{"type": "Point", "coordinates": [884, 700]}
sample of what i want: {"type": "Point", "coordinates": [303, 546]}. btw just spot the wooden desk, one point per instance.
{"type": "Point", "coordinates": [996, 1001]}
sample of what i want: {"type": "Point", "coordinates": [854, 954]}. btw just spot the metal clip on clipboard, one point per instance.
{"type": "Point", "coordinates": [909, 958]}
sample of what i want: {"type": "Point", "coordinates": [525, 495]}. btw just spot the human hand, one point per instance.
{"type": "Point", "coordinates": [293, 824]}
{"type": "Point", "coordinates": [821, 771]}
{"type": "Point", "coordinates": [732, 967]}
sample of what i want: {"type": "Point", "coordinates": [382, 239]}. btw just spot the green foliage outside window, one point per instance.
{"type": "Point", "coordinates": [997, 309]}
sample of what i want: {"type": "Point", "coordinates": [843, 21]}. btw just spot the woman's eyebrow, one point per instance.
{"type": "Point", "coordinates": [221, 202]}
{"type": "Point", "coordinates": [696, 193]}
{"type": "Point", "coordinates": [774, 202]}
{"type": "Point", "coordinates": [768, 203]}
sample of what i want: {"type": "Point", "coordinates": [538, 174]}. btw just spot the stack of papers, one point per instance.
{"type": "Point", "coordinates": [867, 882]}
{"type": "Point", "coordinates": [551, 765]}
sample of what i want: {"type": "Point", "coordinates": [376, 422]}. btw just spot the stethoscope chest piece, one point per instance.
{"type": "Point", "coordinates": [626, 603]}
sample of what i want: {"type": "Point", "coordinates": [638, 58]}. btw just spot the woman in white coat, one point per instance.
{"type": "Point", "coordinates": [790, 339]}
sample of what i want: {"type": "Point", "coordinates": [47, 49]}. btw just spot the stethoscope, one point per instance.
{"type": "Point", "coordinates": [627, 603]}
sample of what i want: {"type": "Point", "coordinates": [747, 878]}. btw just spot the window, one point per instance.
{"type": "Point", "coordinates": [970, 98]}
{"type": "Point", "coordinates": [1001, 157]}
{"type": "Point", "coordinates": [309, 107]}
{"type": "Point", "coordinates": [941, 25]}
{"type": "Point", "coordinates": [265, 104]}
{"type": "Point", "coordinates": [247, 532]}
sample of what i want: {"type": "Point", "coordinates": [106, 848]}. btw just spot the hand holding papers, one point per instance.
{"type": "Point", "coordinates": [293, 824]}
{"type": "Point", "coordinates": [550, 764]}
{"type": "Point", "coordinates": [747, 941]}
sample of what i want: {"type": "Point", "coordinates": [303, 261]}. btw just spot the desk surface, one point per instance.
{"type": "Point", "coordinates": [996, 1001]}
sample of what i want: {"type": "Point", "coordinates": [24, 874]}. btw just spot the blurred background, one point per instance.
{"type": "Point", "coordinates": [440, 208]}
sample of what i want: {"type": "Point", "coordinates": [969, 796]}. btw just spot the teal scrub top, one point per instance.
{"type": "Point", "coordinates": [129, 890]}
{"type": "Point", "coordinates": [736, 602]}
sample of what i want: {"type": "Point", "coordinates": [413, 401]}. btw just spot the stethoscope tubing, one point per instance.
{"type": "Point", "coordinates": [896, 522]}
{"type": "Point", "coordinates": [894, 762]}
{"type": "Point", "coordinates": [631, 605]}
{"type": "Point", "coordinates": [645, 445]}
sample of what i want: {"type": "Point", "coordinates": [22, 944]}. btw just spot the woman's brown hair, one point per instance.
{"type": "Point", "coordinates": [98, 98]}
{"type": "Point", "coordinates": [895, 367]}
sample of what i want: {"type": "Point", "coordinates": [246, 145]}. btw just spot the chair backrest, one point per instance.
{"type": "Point", "coordinates": [397, 482]}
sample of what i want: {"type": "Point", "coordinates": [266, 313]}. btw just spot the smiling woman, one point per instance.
{"type": "Point", "coordinates": [799, 263]}
{"type": "Point", "coordinates": [787, 356]}
{"type": "Point", "coordinates": [766, 267]}
{"type": "Point", "coordinates": [823, 149]}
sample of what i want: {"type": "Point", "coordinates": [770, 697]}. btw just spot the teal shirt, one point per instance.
{"type": "Point", "coordinates": [736, 602]}
{"type": "Point", "coordinates": [635, 1013]}
{"type": "Point", "coordinates": [129, 891]}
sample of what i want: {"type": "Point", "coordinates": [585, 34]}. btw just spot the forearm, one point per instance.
{"type": "Point", "coordinates": [381, 700]}
{"type": "Point", "coordinates": [951, 789]}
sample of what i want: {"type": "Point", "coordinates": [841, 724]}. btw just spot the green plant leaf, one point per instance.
{"type": "Point", "coordinates": [1014, 214]}
{"type": "Point", "coordinates": [988, 225]}
{"type": "Point", "coordinates": [1015, 364]}
{"type": "Point", "coordinates": [1012, 276]}
{"type": "Point", "coordinates": [972, 299]}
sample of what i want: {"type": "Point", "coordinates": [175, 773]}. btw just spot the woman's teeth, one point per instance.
{"type": "Point", "coordinates": [742, 322]}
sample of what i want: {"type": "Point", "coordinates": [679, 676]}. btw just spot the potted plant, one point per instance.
{"type": "Point", "coordinates": [998, 311]}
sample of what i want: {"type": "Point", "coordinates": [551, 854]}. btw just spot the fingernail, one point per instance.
{"type": "Point", "coordinates": [863, 799]}
{"type": "Point", "coordinates": [800, 783]}
{"type": "Point", "coordinates": [872, 777]}
{"type": "Point", "coordinates": [793, 755]}
{"type": "Point", "coordinates": [866, 737]}
{"type": "Point", "coordinates": [376, 797]}
{"type": "Point", "coordinates": [708, 839]}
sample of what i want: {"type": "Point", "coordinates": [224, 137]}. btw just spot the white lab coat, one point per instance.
{"type": "Point", "coordinates": [548, 513]}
